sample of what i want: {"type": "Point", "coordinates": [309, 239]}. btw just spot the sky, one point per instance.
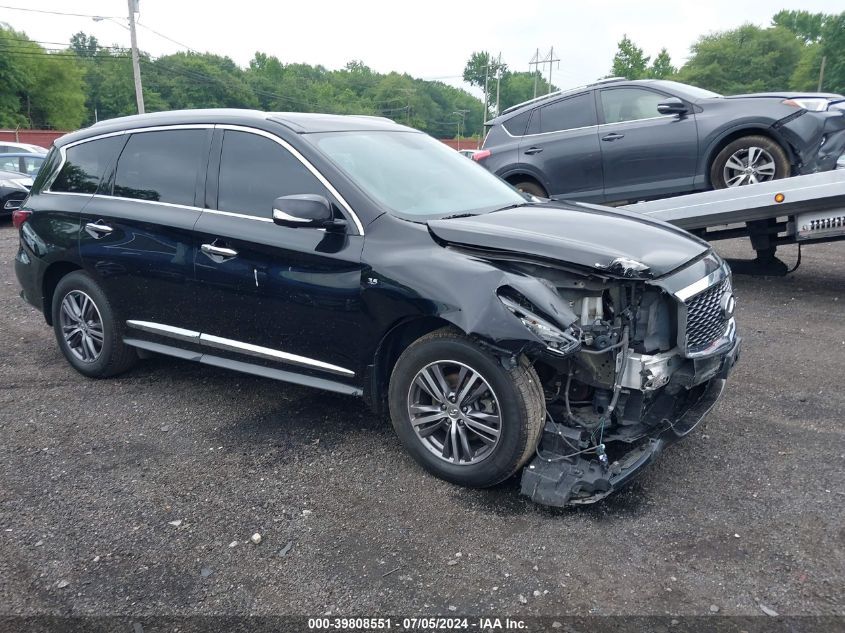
{"type": "Point", "coordinates": [430, 40]}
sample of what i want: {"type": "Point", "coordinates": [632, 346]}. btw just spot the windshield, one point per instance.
{"type": "Point", "coordinates": [414, 176]}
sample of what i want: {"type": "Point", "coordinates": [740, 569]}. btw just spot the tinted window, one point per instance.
{"type": "Point", "coordinates": [85, 165]}
{"type": "Point", "coordinates": [160, 166]}
{"type": "Point", "coordinates": [629, 104]}
{"type": "Point", "coordinates": [254, 171]}
{"type": "Point", "coordinates": [517, 124]}
{"type": "Point", "coordinates": [567, 114]}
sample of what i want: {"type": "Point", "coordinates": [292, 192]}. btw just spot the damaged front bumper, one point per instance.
{"type": "Point", "coordinates": [555, 478]}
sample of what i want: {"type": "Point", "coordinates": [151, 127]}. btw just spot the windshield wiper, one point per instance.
{"type": "Point", "coordinates": [458, 215]}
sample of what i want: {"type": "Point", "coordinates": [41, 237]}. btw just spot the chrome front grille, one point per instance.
{"type": "Point", "coordinates": [706, 321]}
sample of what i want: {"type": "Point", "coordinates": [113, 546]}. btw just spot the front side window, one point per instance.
{"type": "Point", "coordinates": [255, 170]}
{"type": "Point", "coordinates": [85, 164]}
{"type": "Point", "coordinates": [629, 104]}
{"type": "Point", "coordinates": [160, 166]}
{"type": "Point", "coordinates": [567, 114]}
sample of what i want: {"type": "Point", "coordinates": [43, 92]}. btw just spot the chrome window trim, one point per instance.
{"type": "Point", "coordinates": [242, 216]}
{"type": "Point", "coordinates": [165, 330]}
{"type": "Point", "coordinates": [156, 128]}
{"type": "Point", "coordinates": [651, 118]}
{"type": "Point", "coordinates": [703, 284]}
{"type": "Point", "coordinates": [305, 162]}
{"type": "Point", "coordinates": [186, 207]}
{"type": "Point", "coordinates": [571, 129]}
{"type": "Point", "coordinates": [272, 354]}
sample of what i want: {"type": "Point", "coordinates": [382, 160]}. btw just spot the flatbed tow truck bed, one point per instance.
{"type": "Point", "coordinates": [798, 210]}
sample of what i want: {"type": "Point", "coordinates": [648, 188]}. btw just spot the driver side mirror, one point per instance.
{"type": "Point", "coordinates": [305, 211]}
{"type": "Point", "coordinates": [672, 105]}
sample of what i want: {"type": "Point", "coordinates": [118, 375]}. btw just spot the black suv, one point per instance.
{"type": "Point", "coordinates": [359, 256]}
{"type": "Point", "coordinates": [621, 140]}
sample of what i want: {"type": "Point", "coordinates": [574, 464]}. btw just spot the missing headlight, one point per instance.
{"type": "Point", "coordinates": [557, 340]}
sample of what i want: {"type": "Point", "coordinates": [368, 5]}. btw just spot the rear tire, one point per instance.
{"type": "Point", "coordinates": [87, 330]}
{"type": "Point", "coordinates": [509, 401]}
{"type": "Point", "coordinates": [528, 186]}
{"type": "Point", "coordinates": [762, 157]}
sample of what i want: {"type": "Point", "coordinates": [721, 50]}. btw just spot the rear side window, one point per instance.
{"type": "Point", "coordinates": [161, 166]}
{"type": "Point", "coordinates": [255, 170]}
{"type": "Point", "coordinates": [568, 114]}
{"type": "Point", "coordinates": [85, 165]}
{"type": "Point", "coordinates": [516, 125]}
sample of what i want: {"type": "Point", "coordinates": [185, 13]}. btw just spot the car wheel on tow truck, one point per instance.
{"type": "Point", "coordinates": [461, 414]}
{"type": "Point", "coordinates": [747, 161]}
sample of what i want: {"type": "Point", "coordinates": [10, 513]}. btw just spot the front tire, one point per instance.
{"type": "Point", "coordinates": [87, 329]}
{"type": "Point", "coordinates": [462, 415]}
{"type": "Point", "coordinates": [749, 160]}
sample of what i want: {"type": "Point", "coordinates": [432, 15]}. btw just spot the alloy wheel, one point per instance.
{"type": "Point", "coordinates": [82, 326]}
{"type": "Point", "coordinates": [454, 412]}
{"type": "Point", "coordinates": [748, 166]}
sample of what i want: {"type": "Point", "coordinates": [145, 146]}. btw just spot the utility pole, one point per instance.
{"type": "Point", "coordinates": [551, 60]}
{"type": "Point", "coordinates": [821, 73]}
{"type": "Point", "coordinates": [535, 61]}
{"type": "Point", "coordinates": [462, 114]}
{"type": "Point", "coordinates": [486, 98]}
{"type": "Point", "coordinates": [136, 68]}
{"type": "Point", "coordinates": [498, 80]}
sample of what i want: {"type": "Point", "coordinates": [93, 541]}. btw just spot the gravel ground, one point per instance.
{"type": "Point", "coordinates": [94, 475]}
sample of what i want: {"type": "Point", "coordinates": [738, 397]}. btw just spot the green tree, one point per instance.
{"type": "Point", "coordinates": [39, 88]}
{"type": "Point", "coordinates": [803, 24]}
{"type": "Point", "coordinates": [662, 67]}
{"type": "Point", "coordinates": [746, 59]}
{"type": "Point", "coordinates": [630, 61]}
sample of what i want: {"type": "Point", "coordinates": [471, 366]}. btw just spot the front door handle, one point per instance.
{"type": "Point", "coordinates": [218, 253]}
{"type": "Point", "coordinates": [613, 136]}
{"type": "Point", "coordinates": [98, 229]}
{"type": "Point", "coordinates": [533, 150]}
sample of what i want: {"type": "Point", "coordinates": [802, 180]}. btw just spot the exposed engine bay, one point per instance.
{"type": "Point", "coordinates": [637, 368]}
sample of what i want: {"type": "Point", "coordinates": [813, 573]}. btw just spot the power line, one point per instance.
{"type": "Point", "coordinates": [169, 39]}
{"type": "Point", "coordinates": [74, 15]}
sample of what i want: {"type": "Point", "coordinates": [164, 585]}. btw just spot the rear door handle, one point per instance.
{"type": "Point", "coordinates": [533, 150]}
{"type": "Point", "coordinates": [98, 229]}
{"type": "Point", "coordinates": [613, 136]}
{"type": "Point", "coordinates": [218, 253]}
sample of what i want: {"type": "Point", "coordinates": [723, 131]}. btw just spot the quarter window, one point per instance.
{"type": "Point", "coordinates": [85, 165]}
{"type": "Point", "coordinates": [516, 125]}
{"type": "Point", "coordinates": [161, 166]}
{"type": "Point", "coordinates": [567, 114]}
{"type": "Point", "coordinates": [629, 104]}
{"type": "Point", "coordinates": [255, 170]}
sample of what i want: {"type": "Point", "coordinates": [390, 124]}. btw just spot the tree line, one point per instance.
{"type": "Point", "coordinates": [67, 87]}
{"type": "Point", "coordinates": [53, 85]}
{"type": "Point", "coordinates": [787, 55]}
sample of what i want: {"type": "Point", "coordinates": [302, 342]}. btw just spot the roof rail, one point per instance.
{"type": "Point", "coordinates": [606, 80]}
{"type": "Point", "coordinates": [534, 100]}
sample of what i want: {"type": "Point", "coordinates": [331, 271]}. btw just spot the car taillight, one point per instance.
{"type": "Point", "coordinates": [481, 155]}
{"type": "Point", "coordinates": [19, 216]}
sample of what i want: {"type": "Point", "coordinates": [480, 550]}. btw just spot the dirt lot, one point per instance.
{"type": "Point", "coordinates": [748, 510]}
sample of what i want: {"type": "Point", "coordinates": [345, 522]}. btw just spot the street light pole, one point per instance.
{"type": "Point", "coordinates": [136, 68]}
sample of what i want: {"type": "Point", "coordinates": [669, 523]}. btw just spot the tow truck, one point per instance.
{"type": "Point", "coordinates": [800, 210]}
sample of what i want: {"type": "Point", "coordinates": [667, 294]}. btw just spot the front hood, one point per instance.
{"type": "Point", "coordinates": [585, 235]}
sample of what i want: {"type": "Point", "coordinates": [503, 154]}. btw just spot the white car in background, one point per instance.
{"type": "Point", "coordinates": [8, 147]}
